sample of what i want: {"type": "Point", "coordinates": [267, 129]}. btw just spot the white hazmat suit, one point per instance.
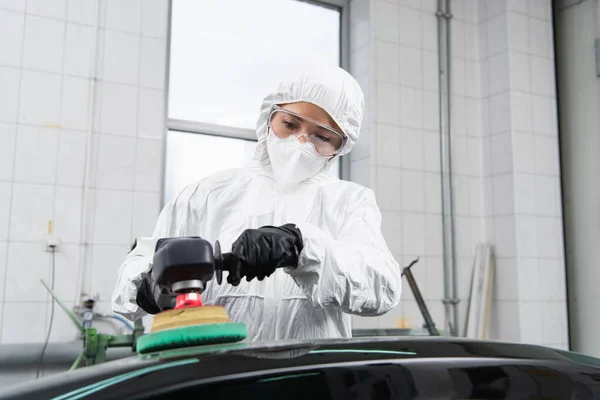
{"type": "Point", "coordinates": [345, 266]}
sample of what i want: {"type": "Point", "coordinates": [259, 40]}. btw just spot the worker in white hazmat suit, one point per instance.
{"type": "Point", "coordinates": [284, 210]}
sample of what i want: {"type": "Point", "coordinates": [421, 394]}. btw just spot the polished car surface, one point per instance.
{"type": "Point", "coordinates": [378, 368]}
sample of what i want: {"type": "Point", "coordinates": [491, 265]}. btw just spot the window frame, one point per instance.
{"type": "Point", "coordinates": [204, 128]}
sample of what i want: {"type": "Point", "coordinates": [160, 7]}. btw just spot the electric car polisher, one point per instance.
{"type": "Point", "coordinates": [181, 268]}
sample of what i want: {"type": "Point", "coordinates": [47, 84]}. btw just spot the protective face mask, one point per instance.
{"type": "Point", "coordinates": [292, 161]}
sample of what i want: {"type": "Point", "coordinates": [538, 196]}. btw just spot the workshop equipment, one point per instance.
{"type": "Point", "coordinates": [429, 324]}
{"type": "Point", "coordinates": [477, 319]}
{"type": "Point", "coordinates": [182, 267]}
{"type": "Point", "coordinates": [95, 344]}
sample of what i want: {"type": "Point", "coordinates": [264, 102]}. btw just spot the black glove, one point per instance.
{"type": "Point", "coordinates": [149, 297]}
{"type": "Point", "coordinates": [261, 251]}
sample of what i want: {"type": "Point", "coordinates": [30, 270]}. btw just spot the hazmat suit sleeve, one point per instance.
{"type": "Point", "coordinates": [138, 262]}
{"type": "Point", "coordinates": [354, 271]}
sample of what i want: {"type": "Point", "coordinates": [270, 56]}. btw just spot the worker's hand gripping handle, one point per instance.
{"type": "Point", "coordinates": [257, 253]}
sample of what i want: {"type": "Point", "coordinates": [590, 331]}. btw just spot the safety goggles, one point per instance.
{"type": "Point", "coordinates": [326, 140]}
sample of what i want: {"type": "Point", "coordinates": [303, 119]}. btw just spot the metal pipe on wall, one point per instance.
{"type": "Point", "coordinates": [450, 301]}
{"type": "Point", "coordinates": [84, 276]}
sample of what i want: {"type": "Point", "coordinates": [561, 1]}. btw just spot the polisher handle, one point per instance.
{"type": "Point", "coordinates": [227, 262]}
{"type": "Point", "coordinates": [233, 265]}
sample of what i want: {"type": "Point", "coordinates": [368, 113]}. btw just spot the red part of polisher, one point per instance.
{"type": "Point", "coordinates": [188, 300]}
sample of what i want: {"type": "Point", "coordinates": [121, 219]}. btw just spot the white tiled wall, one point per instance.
{"type": "Point", "coordinates": [47, 54]}
{"type": "Point", "coordinates": [505, 154]}
{"type": "Point", "coordinates": [398, 153]}
{"type": "Point", "coordinates": [524, 172]}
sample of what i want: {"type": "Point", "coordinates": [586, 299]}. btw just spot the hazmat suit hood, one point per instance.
{"type": "Point", "coordinates": [331, 88]}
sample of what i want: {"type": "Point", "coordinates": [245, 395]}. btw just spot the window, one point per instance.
{"type": "Point", "coordinates": [225, 56]}
{"type": "Point", "coordinates": [191, 156]}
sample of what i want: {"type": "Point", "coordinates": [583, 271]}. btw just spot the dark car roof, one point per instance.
{"type": "Point", "coordinates": [209, 362]}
